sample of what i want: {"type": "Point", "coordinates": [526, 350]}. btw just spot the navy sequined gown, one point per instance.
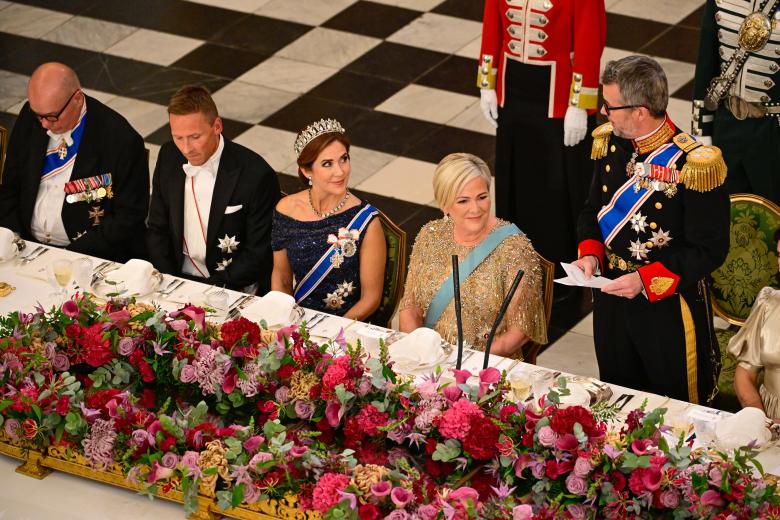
{"type": "Point", "coordinates": [306, 242]}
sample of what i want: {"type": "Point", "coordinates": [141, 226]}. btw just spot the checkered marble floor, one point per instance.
{"type": "Point", "coordinates": [399, 74]}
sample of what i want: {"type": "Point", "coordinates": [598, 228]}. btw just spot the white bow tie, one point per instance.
{"type": "Point", "coordinates": [65, 136]}
{"type": "Point", "coordinates": [192, 171]}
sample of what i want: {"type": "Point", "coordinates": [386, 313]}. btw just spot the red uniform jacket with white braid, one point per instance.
{"type": "Point", "coordinates": [566, 35]}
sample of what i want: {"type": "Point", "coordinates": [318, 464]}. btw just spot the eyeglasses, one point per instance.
{"type": "Point", "coordinates": [52, 118]}
{"type": "Point", "coordinates": [609, 109]}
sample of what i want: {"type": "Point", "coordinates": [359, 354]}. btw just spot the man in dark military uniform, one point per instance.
{"type": "Point", "coordinates": [76, 174]}
{"type": "Point", "coordinates": [656, 222]}
{"type": "Point", "coordinates": [737, 92]}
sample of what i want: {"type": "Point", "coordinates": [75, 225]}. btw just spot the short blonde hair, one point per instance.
{"type": "Point", "coordinates": [454, 172]}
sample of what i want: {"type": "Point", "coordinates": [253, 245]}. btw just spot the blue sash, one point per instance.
{"type": "Point", "coordinates": [446, 292]}
{"type": "Point", "coordinates": [323, 266]}
{"type": "Point", "coordinates": [53, 163]}
{"type": "Point", "coordinates": [630, 197]}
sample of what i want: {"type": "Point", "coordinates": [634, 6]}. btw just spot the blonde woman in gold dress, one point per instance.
{"type": "Point", "coordinates": [497, 248]}
{"type": "Point", "coordinates": [757, 348]}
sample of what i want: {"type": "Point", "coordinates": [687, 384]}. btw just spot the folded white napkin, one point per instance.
{"type": "Point", "coordinates": [275, 308]}
{"type": "Point", "coordinates": [8, 248]}
{"type": "Point", "coordinates": [420, 347]}
{"type": "Point", "coordinates": [135, 275]}
{"type": "Point", "coordinates": [578, 395]}
{"type": "Point", "coordinates": [749, 424]}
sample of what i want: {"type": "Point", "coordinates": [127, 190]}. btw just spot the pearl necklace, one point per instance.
{"type": "Point", "coordinates": [331, 212]}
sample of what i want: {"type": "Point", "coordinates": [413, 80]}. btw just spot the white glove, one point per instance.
{"type": "Point", "coordinates": [488, 101]}
{"type": "Point", "coordinates": [575, 125]}
{"type": "Point", "coordinates": [706, 140]}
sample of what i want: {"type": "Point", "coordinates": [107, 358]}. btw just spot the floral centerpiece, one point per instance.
{"type": "Point", "coordinates": [243, 414]}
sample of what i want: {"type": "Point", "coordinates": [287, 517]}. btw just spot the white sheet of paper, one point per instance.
{"type": "Point", "coordinates": [576, 277]}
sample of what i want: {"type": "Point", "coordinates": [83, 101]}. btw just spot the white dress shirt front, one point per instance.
{"type": "Point", "coordinates": [198, 191]}
{"type": "Point", "coordinates": [46, 224]}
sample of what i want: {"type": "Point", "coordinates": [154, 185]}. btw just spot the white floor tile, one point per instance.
{"type": "Point", "coordinates": [366, 163]}
{"type": "Point", "coordinates": [34, 22]}
{"type": "Point", "coordinates": [417, 5]}
{"type": "Point", "coordinates": [438, 32]}
{"type": "Point", "coordinates": [585, 326]}
{"type": "Point", "coordinates": [680, 112]}
{"type": "Point", "coordinates": [103, 97]}
{"type": "Point", "coordinates": [4, 4]}
{"type": "Point", "coordinates": [309, 12]}
{"type": "Point", "coordinates": [145, 117]}
{"type": "Point", "coordinates": [250, 103]}
{"type": "Point", "coordinates": [13, 89]}
{"type": "Point", "coordinates": [288, 75]}
{"type": "Point", "coordinates": [667, 11]}
{"type": "Point", "coordinates": [471, 50]}
{"type": "Point", "coordinates": [245, 6]}
{"type": "Point", "coordinates": [89, 33]}
{"type": "Point", "coordinates": [275, 146]}
{"type": "Point", "coordinates": [573, 353]}
{"type": "Point", "coordinates": [426, 103]}
{"type": "Point", "coordinates": [328, 47]}
{"type": "Point", "coordinates": [403, 178]}
{"type": "Point", "coordinates": [154, 47]}
{"type": "Point", "coordinates": [611, 4]}
{"type": "Point", "coordinates": [473, 119]}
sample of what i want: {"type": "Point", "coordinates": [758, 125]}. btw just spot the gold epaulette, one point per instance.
{"type": "Point", "coordinates": [601, 141]}
{"type": "Point", "coordinates": [704, 169]}
{"type": "Point", "coordinates": [686, 142]}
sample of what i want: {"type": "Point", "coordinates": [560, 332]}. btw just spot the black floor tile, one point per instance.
{"type": "Point", "coordinates": [306, 109]}
{"type": "Point", "coordinates": [259, 34]}
{"type": "Point", "coordinates": [372, 19]}
{"type": "Point", "coordinates": [446, 140]}
{"type": "Point", "coordinates": [7, 121]}
{"type": "Point", "coordinates": [65, 6]}
{"type": "Point", "coordinates": [389, 133]}
{"type": "Point", "coordinates": [679, 43]}
{"type": "Point", "coordinates": [218, 60]}
{"type": "Point", "coordinates": [172, 16]}
{"type": "Point", "coordinates": [456, 74]}
{"type": "Point", "coordinates": [693, 20]}
{"type": "Point", "coordinates": [115, 75]}
{"type": "Point", "coordinates": [629, 33]}
{"type": "Point", "coordinates": [160, 86]}
{"type": "Point", "coordinates": [358, 89]}
{"type": "Point", "coordinates": [23, 55]}
{"type": "Point", "coordinates": [684, 92]}
{"type": "Point", "coordinates": [397, 62]}
{"type": "Point", "coordinates": [462, 9]}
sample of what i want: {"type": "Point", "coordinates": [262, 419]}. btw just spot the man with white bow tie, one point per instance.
{"type": "Point", "coordinates": [212, 199]}
{"type": "Point", "coordinates": [76, 174]}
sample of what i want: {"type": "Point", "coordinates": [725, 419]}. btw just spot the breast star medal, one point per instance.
{"type": "Point", "coordinates": [228, 244]}
{"type": "Point", "coordinates": [638, 250]}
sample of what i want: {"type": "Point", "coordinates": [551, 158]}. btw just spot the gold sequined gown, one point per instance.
{"type": "Point", "coordinates": [483, 291]}
{"type": "Point", "coordinates": [757, 346]}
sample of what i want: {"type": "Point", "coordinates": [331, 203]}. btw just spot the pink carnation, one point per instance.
{"type": "Point", "coordinates": [455, 423]}
{"type": "Point", "coordinates": [326, 492]}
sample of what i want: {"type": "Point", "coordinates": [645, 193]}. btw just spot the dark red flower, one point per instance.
{"type": "Point", "coordinates": [368, 512]}
{"type": "Point", "coordinates": [63, 405]}
{"type": "Point", "coordinates": [242, 331]}
{"type": "Point", "coordinates": [618, 480]}
{"type": "Point", "coordinates": [29, 428]}
{"type": "Point", "coordinates": [168, 443]}
{"type": "Point", "coordinates": [563, 421]}
{"type": "Point", "coordinates": [481, 440]}
{"type": "Point", "coordinates": [147, 373]}
{"type": "Point", "coordinates": [285, 372]}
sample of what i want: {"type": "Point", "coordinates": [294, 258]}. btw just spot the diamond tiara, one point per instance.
{"type": "Point", "coordinates": [314, 130]}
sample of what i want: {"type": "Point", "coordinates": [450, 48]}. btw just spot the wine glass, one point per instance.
{"type": "Point", "coordinates": [62, 270]}
{"type": "Point", "coordinates": [82, 273]}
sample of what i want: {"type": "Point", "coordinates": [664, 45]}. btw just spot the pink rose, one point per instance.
{"type": "Point", "coordinates": [170, 459]}
{"type": "Point", "coordinates": [576, 485]}
{"type": "Point", "coordinates": [465, 493]}
{"type": "Point", "coordinates": [670, 498]}
{"type": "Point", "coordinates": [188, 374]}
{"type": "Point", "coordinates": [582, 467]}
{"type": "Point", "coordinates": [547, 436]}
{"type": "Point", "coordinates": [253, 442]}
{"type": "Point", "coordinates": [522, 512]}
{"type": "Point", "coordinates": [712, 498]}
{"type": "Point", "coordinates": [60, 362]}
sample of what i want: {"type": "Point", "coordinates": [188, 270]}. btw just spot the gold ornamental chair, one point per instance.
{"type": "Point", "coordinates": [531, 349]}
{"type": "Point", "coordinates": [3, 146]}
{"type": "Point", "coordinates": [751, 264]}
{"type": "Point", "coordinates": [395, 271]}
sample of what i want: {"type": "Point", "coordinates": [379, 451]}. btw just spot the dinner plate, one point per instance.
{"type": "Point", "coordinates": [412, 367]}
{"type": "Point", "coordinates": [105, 289]}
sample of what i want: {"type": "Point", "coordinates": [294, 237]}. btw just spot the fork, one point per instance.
{"type": "Point", "coordinates": [173, 286]}
{"type": "Point", "coordinates": [32, 255]}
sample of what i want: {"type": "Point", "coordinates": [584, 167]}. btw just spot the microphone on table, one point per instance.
{"type": "Point", "coordinates": [500, 317]}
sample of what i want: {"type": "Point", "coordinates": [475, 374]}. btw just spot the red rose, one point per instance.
{"type": "Point", "coordinates": [438, 469]}
{"type": "Point", "coordinates": [95, 348]}
{"type": "Point", "coordinates": [99, 399]}
{"type": "Point", "coordinates": [368, 512]}
{"type": "Point", "coordinates": [481, 440]}
{"type": "Point", "coordinates": [168, 443]}
{"type": "Point", "coordinates": [563, 421]}
{"type": "Point", "coordinates": [147, 373]}
{"type": "Point", "coordinates": [63, 405]}
{"type": "Point", "coordinates": [618, 481]}
{"type": "Point", "coordinates": [285, 372]}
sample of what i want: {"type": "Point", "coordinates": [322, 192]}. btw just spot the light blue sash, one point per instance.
{"type": "Point", "coordinates": [446, 293]}
{"type": "Point", "coordinates": [323, 266]}
{"type": "Point", "coordinates": [53, 163]}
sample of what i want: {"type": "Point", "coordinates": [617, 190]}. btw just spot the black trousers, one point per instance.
{"type": "Point", "coordinates": [751, 149]}
{"type": "Point", "coordinates": [541, 185]}
{"type": "Point", "coordinates": [667, 347]}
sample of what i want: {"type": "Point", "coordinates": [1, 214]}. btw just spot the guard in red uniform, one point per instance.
{"type": "Point", "coordinates": [539, 76]}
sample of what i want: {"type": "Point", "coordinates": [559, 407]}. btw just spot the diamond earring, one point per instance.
{"type": "Point", "coordinates": [310, 181]}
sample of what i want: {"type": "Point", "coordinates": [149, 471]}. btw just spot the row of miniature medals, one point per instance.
{"type": "Point", "coordinates": [653, 176]}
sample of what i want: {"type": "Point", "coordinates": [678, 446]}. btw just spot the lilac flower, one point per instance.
{"type": "Point", "coordinates": [416, 438]}
{"type": "Point", "coordinates": [170, 460]}
{"type": "Point", "coordinates": [503, 490]}
{"type": "Point", "coordinates": [241, 474]}
{"type": "Point", "coordinates": [160, 349]}
{"type": "Point", "coordinates": [99, 443]}
{"type": "Point", "coordinates": [126, 346]}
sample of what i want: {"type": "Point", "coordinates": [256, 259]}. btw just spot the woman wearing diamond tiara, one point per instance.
{"type": "Point", "coordinates": [329, 250]}
{"type": "Point", "coordinates": [490, 252]}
